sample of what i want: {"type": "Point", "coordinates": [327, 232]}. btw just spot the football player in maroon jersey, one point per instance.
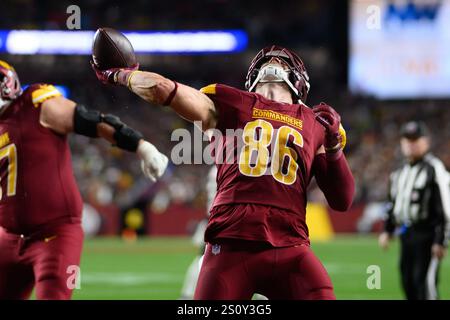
{"type": "Point", "coordinates": [257, 238]}
{"type": "Point", "coordinates": [40, 204]}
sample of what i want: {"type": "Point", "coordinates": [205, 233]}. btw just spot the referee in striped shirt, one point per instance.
{"type": "Point", "coordinates": [419, 209]}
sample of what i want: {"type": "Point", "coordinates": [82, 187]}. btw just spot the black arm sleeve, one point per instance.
{"type": "Point", "coordinates": [85, 121]}
{"type": "Point", "coordinates": [389, 222]}
{"type": "Point", "coordinates": [438, 214]}
{"type": "Point", "coordinates": [439, 205]}
{"type": "Point", "coordinates": [126, 138]}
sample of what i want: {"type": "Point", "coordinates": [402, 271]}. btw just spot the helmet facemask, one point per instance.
{"type": "Point", "coordinates": [273, 73]}
{"type": "Point", "coordinates": [293, 73]}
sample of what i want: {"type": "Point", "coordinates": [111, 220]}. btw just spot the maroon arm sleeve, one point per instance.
{"type": "Point", "coordinates": [335, 179]}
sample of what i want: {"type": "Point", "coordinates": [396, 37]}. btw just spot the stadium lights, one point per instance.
{"type": "Point", "coordinates": [80, 42]}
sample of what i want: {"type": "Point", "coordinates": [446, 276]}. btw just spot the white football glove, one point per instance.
{"type": "Point", "coordinates": [153, 162]}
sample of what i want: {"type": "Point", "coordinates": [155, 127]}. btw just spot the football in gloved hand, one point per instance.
{"type": "Point", "coordinates": [111, 49]}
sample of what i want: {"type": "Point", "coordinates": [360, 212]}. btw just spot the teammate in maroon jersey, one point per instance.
{"type": "Point", "coordinates": [40, 205]}
{"type": "Point", "coordinates": [257, 235]}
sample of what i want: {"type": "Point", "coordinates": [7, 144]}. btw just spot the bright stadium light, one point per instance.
{"type": "Point", "coordinates": [80, 42]}
{"type": "Point", "coordinates": [200, 41]}
{"type": "Point", "coordinates": [49, 42]}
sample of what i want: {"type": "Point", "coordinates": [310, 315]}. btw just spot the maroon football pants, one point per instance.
{"type": "Point", "coordinates": [47, 261]}
{"type": "Point", "coordinates": [237, 270]}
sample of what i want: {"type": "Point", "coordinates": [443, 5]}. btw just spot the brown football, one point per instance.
{"type": "Point", "coordinates": [111, 49]}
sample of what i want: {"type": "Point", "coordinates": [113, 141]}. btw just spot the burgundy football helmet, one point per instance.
{"type": "Point", "coordinates": [10, 87]}
{"type": "Point", "coordinates": [297, 78]}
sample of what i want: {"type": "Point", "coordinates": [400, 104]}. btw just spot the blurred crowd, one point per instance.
{"type": "Point", "coordinates": [373, 133]}
{"type": "Point", "coordinates": [315, 29]}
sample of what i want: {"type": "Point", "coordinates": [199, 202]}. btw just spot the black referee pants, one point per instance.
{"type": "Point", "coordinates": [419, 270]}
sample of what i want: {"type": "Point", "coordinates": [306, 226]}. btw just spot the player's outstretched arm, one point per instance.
{"type": "Point", "coordinates": [330, 166]}
{"type": "Point", "coordinates": [64, 116]}
{"type": "Point", "coordinates": [188, 102]}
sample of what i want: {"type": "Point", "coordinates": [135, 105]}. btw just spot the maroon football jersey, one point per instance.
{"type": "Point", "coordinates": [261, 186]}
{"type": "Point", "coordinates": [38, 187]}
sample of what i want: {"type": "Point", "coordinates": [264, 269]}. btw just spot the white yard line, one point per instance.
{"type": "Point", "coordinates": [128, 278]}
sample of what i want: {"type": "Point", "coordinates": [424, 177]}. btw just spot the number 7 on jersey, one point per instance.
{"type": "Point", "coordinates": [10, 152]}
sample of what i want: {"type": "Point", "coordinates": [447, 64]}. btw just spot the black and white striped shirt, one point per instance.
{"type": "Point", "coordinates": [419, 195]}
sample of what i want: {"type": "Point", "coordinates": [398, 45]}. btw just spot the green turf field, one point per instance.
{"type": "Point", "coordinates": [154, 268]}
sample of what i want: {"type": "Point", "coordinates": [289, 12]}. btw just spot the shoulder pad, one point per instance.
{"type": "Point", "coordinates": [43, 92]}
{"type": "Point", "coordinates": [210, 89]}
